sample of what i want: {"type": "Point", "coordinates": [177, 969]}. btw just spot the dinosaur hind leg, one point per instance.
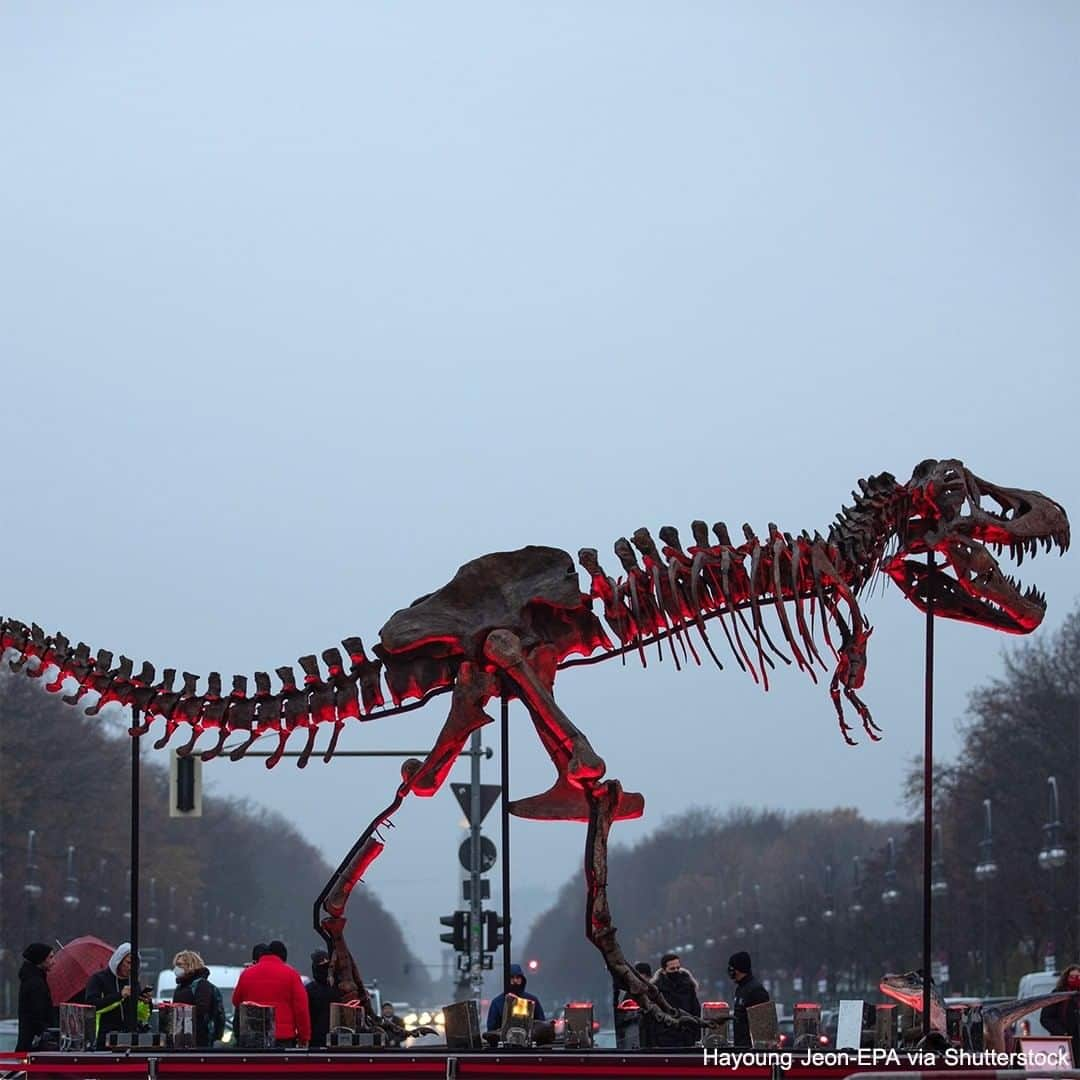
{"type": "Point", "coordinates": [603, 800]}
{"type": "Point", "coordinates": [472, 688]}
{"type": "Point", "coordinates": [577, 764]}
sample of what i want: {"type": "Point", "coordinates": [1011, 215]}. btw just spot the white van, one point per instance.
{"type": "Point", "coordinates": [222, 976]}
{"type": "Point", "coordinates": [1034, 984]}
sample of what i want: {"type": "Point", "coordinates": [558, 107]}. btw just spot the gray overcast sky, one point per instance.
{"type": "Point", "coordinates": [302, 306]}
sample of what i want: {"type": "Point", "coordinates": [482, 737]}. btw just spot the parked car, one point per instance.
{"type": "Point", "coordinates": [1034, 984]}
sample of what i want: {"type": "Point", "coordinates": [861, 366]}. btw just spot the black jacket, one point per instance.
{"type": "Point", "coordinates": [679, 989]}
{"type": "Point", "coordinates": [202, 997]}
{"type": "Point", "coordinates": [748, 992]}
{"type": "Point", "coordinates": [102, 990]}
{"type": "Point", "coordinates": [320, 995]}
{"type": "Point", "coordinates": [1063, 1018]}
{"type": "Point", "coordinates": [36, 1010]}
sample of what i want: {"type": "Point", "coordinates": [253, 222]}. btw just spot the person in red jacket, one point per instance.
{"type": "Point", "coordinates": [271, 981]}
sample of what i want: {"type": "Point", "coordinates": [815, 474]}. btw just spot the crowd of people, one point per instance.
{"type": "Point", "coordinates": [301, 1012]}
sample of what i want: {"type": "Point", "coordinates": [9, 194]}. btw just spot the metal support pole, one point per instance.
{"type": "Point", "coordinates": [476, 907]}
{"type": "Point", "coordinates": [928, 796]}
{"type": "Point", "coordinates": [133, 977]}
{"type": "Point", "coordinates": [504, 740]}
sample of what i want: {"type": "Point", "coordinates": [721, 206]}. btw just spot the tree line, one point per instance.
{"type": "Point", "coordinates": [828, 901]}
{"type": "Point", "coordinates": [219, 883]}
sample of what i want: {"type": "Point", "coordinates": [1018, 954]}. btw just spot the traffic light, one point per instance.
{"type": "Point", "coordinates": [493, 930]}
{"type": "Point", "coordinates": [459, 934]}
{"type": "Point", "coordinates": [185, 786]}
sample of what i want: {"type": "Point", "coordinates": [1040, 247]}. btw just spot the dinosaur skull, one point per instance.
{"type": "Point", "coordinates": [945, 514]}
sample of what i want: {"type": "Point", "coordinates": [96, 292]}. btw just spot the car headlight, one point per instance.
{"type": "Point", "coordinates": [226, 1036]}
{"type": "Point", "coordinates": [410, 1019]}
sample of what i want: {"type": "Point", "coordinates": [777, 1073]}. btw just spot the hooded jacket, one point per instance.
{"type": "Point", "coordinates": [36, 1010]}
{"type": "Point", "coordinates": [321, 995]}
{"type": "Point", "coordinates": [202, 997]}
{"type": "Point", "coordinates": [104, 993]}
{"type": "Point", "coordinates": [679, 989]}
{"type": "Point", "coordinates": [495, 1012]}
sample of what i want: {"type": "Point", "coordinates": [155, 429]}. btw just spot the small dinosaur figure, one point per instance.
{"type": "Point", "coordinates": [509, 621]}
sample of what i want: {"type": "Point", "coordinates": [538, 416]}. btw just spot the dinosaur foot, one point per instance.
{"type": "Point", "coordinates": [565, 802]}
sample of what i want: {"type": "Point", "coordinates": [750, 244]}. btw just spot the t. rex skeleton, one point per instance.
{"type": "Point", "coordinates": [509, 621]}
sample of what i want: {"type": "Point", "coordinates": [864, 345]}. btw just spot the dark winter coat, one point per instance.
{"type": "Point", "coordinates": [320, 995]}
{"type": "Point", "coordinates": [202, 997]}
{"type": "Point", "coordinates": [679, 989]}
{"type": "Point", "coordinates": [36, 1010]}
{"type": "Point", "coordinates": [1063, 1018]}
{"type": "Point", "coordinates": [495, 1010]}
{"type": "Point", "coordinates": [102, 990]}
{"type": "Point", "coordinates": [748, 992]}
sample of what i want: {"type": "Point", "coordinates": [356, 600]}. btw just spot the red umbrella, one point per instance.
{"type": "Point", "coordinates": [73, 965]}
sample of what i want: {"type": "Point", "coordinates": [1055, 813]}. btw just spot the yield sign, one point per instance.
{"type": "Point", "coordinates": [488, 794]}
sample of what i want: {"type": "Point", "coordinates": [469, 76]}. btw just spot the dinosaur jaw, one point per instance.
{"type": "Point", "coordinates": [969, 585]}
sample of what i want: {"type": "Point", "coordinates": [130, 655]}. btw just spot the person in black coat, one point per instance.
{"type": "Point", "coordinates": [321, 995]}
{"type": "Point", "coordinates": [109, 992]}
{"type": "Point", "coordinates": [36, 1009]}
{"type": "Point", "coordinates": [679, 988]}
{"type": "Point", "coordinates": [1063, 1017]}
{"type": "Point", "coordinates": [193, 987]}
{"type": "Point", "coordinates": [748, 992]}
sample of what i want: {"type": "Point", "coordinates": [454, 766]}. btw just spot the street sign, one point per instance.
{"type": "Point", "coordinates": [488, 794]}
{"type": "Point", "coordinates": [466, 889]}
{"type": "Point", "coordinates": [487, 854]}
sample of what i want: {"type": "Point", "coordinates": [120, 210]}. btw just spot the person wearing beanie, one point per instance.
{"type": "Point", "coordinates": [748, 992]}
{"type": "Point", "coordinates": [109, 992]}
{"type": "Point", "coordinates": [36, 1009]}
{"type": "Point", "coordinates": [679, 988]}
{"type": "Point", "coordinates": [321, 995]}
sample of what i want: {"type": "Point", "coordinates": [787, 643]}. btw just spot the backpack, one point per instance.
{"type": "Point", "coordinates": [216, 1020]}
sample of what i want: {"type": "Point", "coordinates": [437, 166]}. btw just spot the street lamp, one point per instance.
{"type": "Point", "coordinates": [71, 885]}
{"type": "Point", "coordinates": [939, 888]}
{"type": "Point", "coordinates": [103, 908]}
{"type": "Point", "coordinates": [890, 895]}
{"type": "Point", "coordinates": [828, 916]}
{"type": "Point", "coordinates": [985, 872]}
{"type": "Point", "coordinates": [172, 909]}
{"type": "Point", "coordinates": [855, 911]}
{"type": "Point", "coordinates": [757, 928]}
{"type": "Point", "coordinates": [31, 887]}
{"type": "Point", "coordinates": [1052, 854]}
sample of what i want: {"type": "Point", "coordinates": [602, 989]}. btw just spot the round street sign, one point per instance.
{"type": "Point", "coordinates": [487, 854]}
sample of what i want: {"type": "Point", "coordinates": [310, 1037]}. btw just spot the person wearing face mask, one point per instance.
{"type": "Point", "coordinates": [193, 987]}
{"type": "Point", "coordinates": [1063, 1018]}
{"type": "Point", "coordinates": [748, 992]}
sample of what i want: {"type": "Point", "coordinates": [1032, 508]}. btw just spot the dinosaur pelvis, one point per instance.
{"type": "Point", "coordinates": [564, 801]}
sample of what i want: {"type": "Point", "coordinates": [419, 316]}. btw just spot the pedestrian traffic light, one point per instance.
{"type": "Point", "coordinates": [493, 930]}
{"type": "Point", "coordinates": [459, 934]}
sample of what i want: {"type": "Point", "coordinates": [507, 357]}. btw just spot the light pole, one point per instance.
{"type": "Point", "coordinates": [890, 896]}
{"type": "Point", "coordinates": [985, 872]}
{"type": "Point", "coordinates": [939, 888]}
{"type": "Point", "coordinates": [828, 916]}
{"type": "Point", "coordinates": [855, 910]}
{"type": "Point", "coordinates": [31, 888]}
{"type": "Point", "coordinates": [1052, 856]}
{"type": "Point", "coordinates": [757, 929]}
{"type": "Point", "coordinates": [104, 908]}
{"type": "Point", "coordinates": [800, 922]}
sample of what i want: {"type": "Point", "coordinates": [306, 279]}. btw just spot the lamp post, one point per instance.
{"type": "Point", "coordinates": [939, 888]}
{"type": "Point", "coordinates": [855, 911]}
{"type": "Point", "coordinates": [890, 895]}
{"type": "Point", "coordinates": [985, 872]}
{"type": "Point", "coordinates": [31, 888]}
{"type": "Point", "coordinates": [1052, 855]}
{"type": "Point", "coordinates": [103, 909]}
{"type": "Point", "coordinates": [757, 928]}
{"type": "Point", "coordinates": [800, 922]}
{"type": "Point", "coordinates": [71, 885]}
{"type": "Point", "coordinates": [828, 917]}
